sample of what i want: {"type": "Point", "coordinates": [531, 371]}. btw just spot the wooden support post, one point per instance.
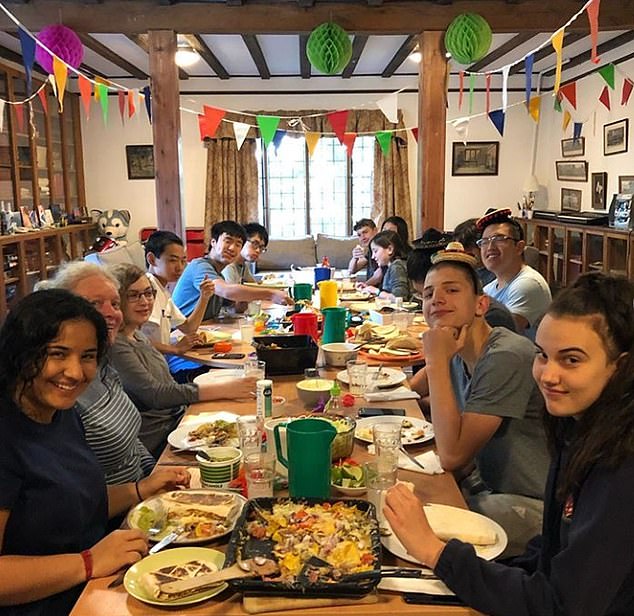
{"type": "Point", "coordinates": [166, 130]}
{"type": "Point", "coordinates": [432, 115]}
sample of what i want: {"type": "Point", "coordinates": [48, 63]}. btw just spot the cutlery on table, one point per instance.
{"type": "Point", "coordinates": [411, 458]}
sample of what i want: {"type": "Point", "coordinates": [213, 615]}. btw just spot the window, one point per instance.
{"type": "Point", "coordinates": [325, 193]}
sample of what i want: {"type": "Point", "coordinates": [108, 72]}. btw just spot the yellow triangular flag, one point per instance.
{"type": "Point", "coordinates": [567, 118]}
{"type": "Point", "coordinates": [533, 107]}
{"type": "Point", "coordinates": [311, 141]}
{"type": "Point", "coordinates": [61, 73]}
{"type": "Point", "coordinates": [558, 44]}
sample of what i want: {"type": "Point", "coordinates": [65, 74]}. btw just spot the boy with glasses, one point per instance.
{"type": "Point", "coordinates": [240, 271]}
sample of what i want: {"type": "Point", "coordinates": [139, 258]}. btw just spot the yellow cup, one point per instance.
{"type": "Point", "coordinates": [327, 294]}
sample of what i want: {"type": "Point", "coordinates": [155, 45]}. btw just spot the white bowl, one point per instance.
{"type": "Point", "coordinates": [349, 491]}
{"type": "Point", "coordinates": [312, 391]}
{"type": "Point", "coordinates": [338, 353]}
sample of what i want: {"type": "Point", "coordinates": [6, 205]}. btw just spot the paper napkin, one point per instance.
{"type": "Point", "coordinates": [400, 393]}
{"type": "Point", "coordinates": [429, 460]}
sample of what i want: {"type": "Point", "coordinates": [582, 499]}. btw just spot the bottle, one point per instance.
{"type": "Point", "coordinates": [268, 398]}
{"type": "Point", "coordinates": [325, 262]}
{"type": "Point", "coordinates": [334, 404]}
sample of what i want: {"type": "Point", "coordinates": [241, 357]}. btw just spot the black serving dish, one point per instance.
{"type": "Point", "coordinates": [289, 355]}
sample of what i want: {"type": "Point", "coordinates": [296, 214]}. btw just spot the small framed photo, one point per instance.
{"type": "Point", "coordinates": [599, 185]}
{"type": "Point", "coordinates": [475, 158]}
{"type": "Point", "coordinates": [571, 200]}
{"type": "Point", "coordinates": [573, 147]}
{"type": "Point", "coordinates": [572, 171]}
{"type": "Point", "coordinates": [140, 159]}
{"type": "Point", "coordinates": [626, 184]}
{"type": "Point", "coordinates": [615, 136]}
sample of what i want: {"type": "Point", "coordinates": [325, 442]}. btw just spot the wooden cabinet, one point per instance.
{"type": "Point", "coordinates": [30, 257]}
{"type": "Point", "coordinates": [566, 250]}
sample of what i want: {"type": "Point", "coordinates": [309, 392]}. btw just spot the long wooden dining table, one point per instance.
{"type": "Point", "coordinates": [99, 600]}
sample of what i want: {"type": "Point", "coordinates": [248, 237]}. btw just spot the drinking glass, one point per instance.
{"type": "Point", "coordinates": [259, 469]}
{"type": "Point", "coordinates": [387, 442]}
{"type": "Point", "coordinates": [247, 329]}
{"type": "Point", "coordinates": [250, 434]}
{"type": "Point", "coordinates": [401, 320]}
{"type": "Point", "coordinates": [255, 367]}
{"type": "Point", "coordinates": [378, 480]}
{"type": "Point", "coordinates": [357, 376]}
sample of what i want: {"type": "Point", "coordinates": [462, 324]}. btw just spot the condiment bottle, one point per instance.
{"type": "Point", "coordinates": [334, 404]}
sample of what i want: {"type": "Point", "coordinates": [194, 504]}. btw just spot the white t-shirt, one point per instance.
{"type": "Point", "coordinates": [165, 316]}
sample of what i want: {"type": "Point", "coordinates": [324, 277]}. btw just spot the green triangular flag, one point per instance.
{"type": "Point", "coordinates": [103, 99]}
{"type": "Point", "coordinates": [384, 137]}
{"type": "Point", "coordinates": [557, 104]}
{"type": "Point", "coordinates": [268, 125]}
{"type": "Point", "coordinates": [607, 72]}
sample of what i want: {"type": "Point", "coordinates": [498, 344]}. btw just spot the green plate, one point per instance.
{"type": "Point", "coordinates": [176, 556]}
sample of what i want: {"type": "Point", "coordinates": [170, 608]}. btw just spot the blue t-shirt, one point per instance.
{"type": "Point", "coordinates": [54, 489]}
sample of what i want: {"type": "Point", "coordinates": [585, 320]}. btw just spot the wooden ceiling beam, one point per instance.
{"type": "Point", "coordinates": [399, 57]}
{"type": "Point", "coordinates": [111, 56]}
{"type": "Point", "coordinates": [358, 45]}
{"type": "Point", "coordinates": [142, 41]}
{"type": "Point", "coordinates": [501, 51]}
{"type": "Point", "coordinates": [251, 41]}
{"type": "Point", "coordinates": [198, 44]}
{"type": "Point", "coordinates": [544, 52]}
{"type": "Point", "coordinates": [304, 62]}
{"type": "Point", "coordinates": [395, 17]}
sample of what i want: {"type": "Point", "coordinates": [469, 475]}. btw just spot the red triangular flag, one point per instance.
{"type": "Point", "coordinates": [348, 141]}
{"type": "Point", "coordinates": [43, 99]}
{"type": "Point", "coordinates": [131, 105]}
{"type": "Point", "coordinates": [593, 17]}
{"type": "Point", "coordinates": [570, 92]}
{"type": "Point", "coordinates": [627, 90]}
{"type": "Point", "coordinates": [605, 97]}
{"type": "Point", "coordinates": [19, 114]}
{"type": "Point", "coordinates": [461, 88]}
{"type": "Point", "coordinates": [202, 126]}
{"type": "Point", "coordinates": [213, 117]}
{"type": "Point", "coordinates": [121, 97]}
{"type": "Point", "coordinates": [85, 91]}
{"type": "Point", "coordinates": [415, 133]}
{"type": "Point", "coordinates": [338, 120]}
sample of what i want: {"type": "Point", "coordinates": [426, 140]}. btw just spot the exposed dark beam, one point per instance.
{"type": "Point", "coordinates": [141, 41]}
{"type": "Point", "coordinates": [622, 59]}
{"type": "Point", "coordinates": [109, 55]}
{"type": "Point", "coordinates": [544, 52]}
{"type": "Point", "coordinates": [12, 56]}
{"type": "Point", "coordinates": [358, 45]}
{"type": "Point", "coordinates": [502, 50]}
{"type": "Point", "coordinates": [399, 57]}
{"type": "Point", "coordinates": [615, 43]}
{"type": "Point", "coordinates": [199, 45]}
{"type": "Point", "coordinates": [251, 41]}
{"type": "Point", "coordinates": [304, 63]}
{"type": "Point", "coordinates": [306, 4]}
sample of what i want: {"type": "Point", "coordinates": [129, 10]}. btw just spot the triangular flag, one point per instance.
{"type": "Point", "coordinates": [268, 125]}
{"type": "Point", "coordinates": [338, 121]}
{"type": "Point", "coordinates": [85, 91]}
{"type": "Point", "coordinates": [528, 61]}
{"type": "Point", "coordinates": [460, 88]}
{"type": "Point", "coordinates": [497, 117]}
{"type": "Point", "coordinates": [389, 106]}
{"type": "Point", "coordinates": [277, 139]}
{"type": "Point", "coordinates": [61, 73]}
{"type": "Point", "coordinates": [570, 92]}
{"type": "Point", "coordinates": [131, 105]}
{"type": "Point", "coordinates": [576, 130]}
{"type": "Point", "coordinates": [487, 81]}
{"type": "Point", "coordinates": [27, 42]}
{"type": "Point", "coordinates": [202, 126]}
{"type": "Point", "coordinates": [384, 137]}
{"type": "Point", "coordinates": [557, 42]}
{"type": "Point", "coordinates": [471, 87]}
{"type": "Point", "coordinates": [414, 132]}
{"type": "Point", "coordinates": [348, 141]}
{"type": "Point", "coordinates": [566, 120]}
{"type": "Point", "coordinates": [311, 141]}
{"type": "Point", "coordinates": [43, 99]}
{"type": "Point", "coordinates": [628, 84]}
{"type": "Point", "coordinates": [102, 88]}
{"type": "Point", "coordinates": [557, 104]}
{"type": "Point", "coordinates": [607, 72]}
{"type": "Point", "coordinates": [593, 17]}
{"type": "Point", "coordinates": [51, 79]}
{"type": "Point", "coordinates": [462, 128]}
{"type": "Point", "coordinates": [240, 130]}
{"type": "Point", "coordinates": [213, 117]}
{"type": "Point", "coordinates": [147, 97]}
{"type": "Point", "coordinates": [19, 116]}
{"type": "Point", "coordinates": [505, 91]}
{"type": "Point", "coordinates": [2, 103]}
{"type": "Point", "coordinates": [533, 107]}
{"type": "Point", "coordinates": [605, 97]}
{"type": "Point", "coordinates": [121, 97]}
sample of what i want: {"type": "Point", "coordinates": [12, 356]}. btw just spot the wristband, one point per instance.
{"type": "Point", "coordinates": [86, 556]}
{"type": "Point", "coordinates": [138, 492]}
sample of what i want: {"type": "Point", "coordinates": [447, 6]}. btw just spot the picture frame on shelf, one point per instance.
{"type": "Point", "coordinates": [571, 199]}
{"type": "Point", "coordinates": [475, 158]}
{"type": "Point", "coordinates": [626, 184]}
{"type": "Point", "coordinates": [620, 216]}
{"type": "Point", "coordinates": [573, 147]}
{"type": "Point", "coordinates": [615, 137]}
{"type": "Point", "coordinates": [599, 186]}
{"type": "Point", "coordinates": [140, 161]}
{"type": "Point", "coordinates": [572, 170]}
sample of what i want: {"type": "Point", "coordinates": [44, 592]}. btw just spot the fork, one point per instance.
{"type": "Point", "coordinates": [375, 377]}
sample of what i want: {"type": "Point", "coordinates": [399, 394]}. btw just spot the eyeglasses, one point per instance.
{"type": "Point", "coordinates": [257, 246]}
{"type": "Point", "coordinates": [494, 239]}
{"type": "Point", "coordinates": [134, 296]}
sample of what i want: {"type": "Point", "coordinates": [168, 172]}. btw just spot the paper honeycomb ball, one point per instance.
{"type": "Point", "coordinates": [63, 42]}
{"type": "Point", "coordinates": [329, 48]}
{"type": "Point", "coordinates": [468, 38]}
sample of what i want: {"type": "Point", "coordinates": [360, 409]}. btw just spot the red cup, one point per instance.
{"type": "Point", "coordinates": [305, 323]}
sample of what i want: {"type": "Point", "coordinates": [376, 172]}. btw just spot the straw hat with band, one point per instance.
{"type": "Point", "coordinates": [454, 252]}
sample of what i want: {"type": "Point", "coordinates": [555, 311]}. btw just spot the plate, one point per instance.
{"type": "Point", "coordinates": [354, 296]}
{"type": "Point", "coordinates": [387, 357]}
{"type": "Point", "coordinates": [269, 284]}
{"type": "Point", "coordinates": [177, 556]}
{"type": "Point", "coordinates": [222, 373]}
{"type": "Point", "coordinates": [409, 436]}
{"type": "Point", "coordinates": [151, 503]}
{"type": "Point", "coordinates": [389, 377]}
{"type": "Point", "coordinates": [488, 552]}
{"type": "Point", "coordinates": [178, 438]}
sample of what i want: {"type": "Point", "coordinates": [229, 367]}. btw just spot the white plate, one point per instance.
{"type": "Point", "coordinates": [431, 587]}
{"type": "Point", "coordinates": [178, 438]}
{"type": "Point", "coordinates": [389, 377]}
{"type": "Point", "coordinates": [363, 430]}
{"type": "Point", "coordinates": [488, 552]}
{"type": "Point", "coordinates": [222, 373]}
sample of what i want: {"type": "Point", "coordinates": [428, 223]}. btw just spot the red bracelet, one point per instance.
{"type": "Point", "coordinates": [86, 556]}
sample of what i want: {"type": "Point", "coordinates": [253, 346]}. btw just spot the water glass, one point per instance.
{"type": "Point", "coordinates": [378, 480]}
{"type": "Point", "coordinates": [254, 308]}
{"type": "Point", "coordinates": [247, 329]}
{"type": "Point", "coordinates": [259, 469]}
{"type": "Point", "coordinates": [255, 367]}
{"type": "Point", "coordinates": [387, 442]}
{"type": "Point", "coordinates": [401, 320]}
{"type": "Point", "coordinates": [250, 434]}
{"type": "Point", "coordinates": [357, 376]}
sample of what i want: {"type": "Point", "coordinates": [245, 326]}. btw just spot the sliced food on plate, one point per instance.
{"type": "Point", "coordinates": [153, 580]}
{"type": "Point", "coordinates": [214, 432]}
{"type": "Point", "coordinates": [414, 431]}
{"type": "Point", "coordinates": [210, 337]}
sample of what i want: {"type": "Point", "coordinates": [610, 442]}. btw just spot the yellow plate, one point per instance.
{"type": "Point", "coordinates": [176, 556]}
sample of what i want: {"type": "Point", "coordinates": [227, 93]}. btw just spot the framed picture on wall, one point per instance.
{"type": "Point", "coordinates": [599, 185]}
{"type": "Point", "coordinates": [572, 170]}
{"type": "Point", "coordinates": [626, 184]}
{"type": "Point", "coordinates": [615, 137]}
{"type": "Point", "coordinates": [475, 158]}
{"type": "Point", "coordinates": [571, 200]}
{"type": "Point", "coordinates": [573, 147]}
{"type": "Point", "coordinates": [140, 159]}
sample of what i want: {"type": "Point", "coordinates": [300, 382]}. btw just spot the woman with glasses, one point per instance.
{"type": "Point", "coordinates": [145, 373]}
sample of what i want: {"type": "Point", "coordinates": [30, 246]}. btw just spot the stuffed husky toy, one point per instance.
{"type": "Point", "coordinates": [112, 224]}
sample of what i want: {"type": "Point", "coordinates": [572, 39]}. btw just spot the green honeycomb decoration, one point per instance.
{"type": "Point", "coordinates": [468, 38]}
{"type": "Point", "coordinates": [329, 48]}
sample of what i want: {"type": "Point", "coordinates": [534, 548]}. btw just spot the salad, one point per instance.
{"type": "Point", "coordinates": [347, 474]}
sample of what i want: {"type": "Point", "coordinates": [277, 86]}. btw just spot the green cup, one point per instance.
{"type": "Point", "coordinates": [308, 443]}
{"type": "Point", "coordinates": [302, 291]}
{"type": "Point", "coordinates": [334, 324]}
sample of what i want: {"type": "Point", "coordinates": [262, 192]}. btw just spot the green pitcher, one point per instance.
{"type": "Point", "coordinates": [302, 291]}
{"type": "Point", "coordinates": [308, 444]}
{"type": "Point", "coordinates": [334, 324]}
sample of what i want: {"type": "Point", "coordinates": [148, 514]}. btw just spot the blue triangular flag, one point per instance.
{"type": "Point", "coordinates": [576, 132]}
{"type": "Point", "coordinates": [147, 96]}
{"type": "Point", "coordinates": [277, 139]}
{"type": "Point", "coordinates": [528, 63]}
{"type": "Point", "coordinates": [28, 55]}
{"type": "Point", "coordinates": [497, 117]}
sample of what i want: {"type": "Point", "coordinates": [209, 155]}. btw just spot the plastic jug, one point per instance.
{"type": "Point", "coordinates": [308, 444]}
{"type": "Point", "coordinates": [334, 324]}
{"type": "Point", "coordinates": [305, 323]}
{"type": "Point", "coordinates": [302, 291]}
{"type": "Point", "coordinates": [321, 273]}
{"type": "Point", "coordinates": [327, 293]}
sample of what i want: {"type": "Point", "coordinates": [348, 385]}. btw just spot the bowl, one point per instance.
{"type": "Point", "coordinates": [343, 443]}
{"type": "Point", "coordinates": [312, 391]}
{"type": "Point", "coordinates": [349, 491]}
{"type": "Point", "coordinates": [338, 353]}
{"type": "Point", "coordinates": [224, 468]}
